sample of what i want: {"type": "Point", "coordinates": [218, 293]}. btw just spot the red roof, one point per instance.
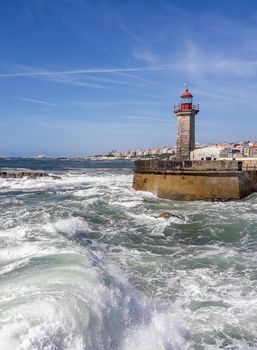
{"type": "Point", "coordinates": [186, 93]}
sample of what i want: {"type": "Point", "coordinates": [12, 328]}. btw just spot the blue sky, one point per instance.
{"type": "Point", "coordinates": [83, 77]}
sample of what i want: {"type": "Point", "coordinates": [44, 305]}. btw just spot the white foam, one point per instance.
{"type": "Point", "coordinates": [71, 227]}
{"type": "Point", "coordinates": [126, 203]}
{"type": "Point", "coordinates": [67, 181]}
{"type": "Point", "coordinates": [165, 331]}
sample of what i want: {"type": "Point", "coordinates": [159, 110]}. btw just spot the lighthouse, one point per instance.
{"type": "Point", "coordinates": [186, 112]}
{"type": "Point", "coordinates": [185, 179]}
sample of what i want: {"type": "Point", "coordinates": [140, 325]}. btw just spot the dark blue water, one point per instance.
{"type": "Point", "coordinates": [63, 164]}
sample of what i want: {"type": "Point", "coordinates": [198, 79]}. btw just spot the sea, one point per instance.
{"type": "Point", "coordinates": [86, 263]}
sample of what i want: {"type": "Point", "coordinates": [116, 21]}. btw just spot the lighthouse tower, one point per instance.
{"type": "Point", "coordinates": [186, 112]}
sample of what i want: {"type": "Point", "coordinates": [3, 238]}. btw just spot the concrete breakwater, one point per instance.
{"type": "Point", "coordinates": [17, 174]}
{"type": "Point", "coordinates": [196, 180]}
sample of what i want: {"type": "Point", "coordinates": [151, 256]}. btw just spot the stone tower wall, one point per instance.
{"type": "Point", "coordinates": [185, 134]}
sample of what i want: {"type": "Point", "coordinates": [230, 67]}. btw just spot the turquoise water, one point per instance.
{"type": "Point", "coordinates": [85, 263]}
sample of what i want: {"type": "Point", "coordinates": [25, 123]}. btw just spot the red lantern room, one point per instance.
{"type": "Point", "coordinates": [186, 100]}
{"type": "Point", "coordinates": [186, 103]}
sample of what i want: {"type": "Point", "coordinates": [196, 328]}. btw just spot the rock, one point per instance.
{"type": "Point", "coordinates": [167, 215]}
{"type": "Point", "coordinates": [55, 177]}
{"type": "Point", "coordinates": [16, 174]}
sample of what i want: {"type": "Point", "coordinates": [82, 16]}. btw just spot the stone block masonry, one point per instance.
{"type": "Point", "coordinates": [185, 134]}
{"type": "Point", "coordinates": [196, 180]}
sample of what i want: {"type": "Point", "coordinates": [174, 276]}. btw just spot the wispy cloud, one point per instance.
{"type": "Point", "coordinates": [83, 71]}
{"type": "Point", "coordinates": [116, 103]}
{"type": "Point", "coordinates": [198, 62]}
{"type": "Point", "coordinates": [26, 99]}
{"type": "Point", "coordinates": [195, 62]}
{"type": "Point", "coordinates": [152, 119]}
{"type": "Point", "coordinates": [133, 76]}
{"type": "Point", "coordinates": [97, 78]}
{"type": "Point", "coordinates": [146, 55]}
{"type": "Point", "coordinates": [124, 28]}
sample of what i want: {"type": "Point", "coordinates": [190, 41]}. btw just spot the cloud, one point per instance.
{"type": "Point", "coordinates": [133, 76]}
{"type": "Point", "coordinates": [224, 97]}
{"type": "Point", "coordinates": [199, 62]}
{"type": "Point", "coordinates": [154, 119]}
{"type": "Point", "coordinates": [26, 99]}
{"type": "Point", "coordinates": [145, 55]}
{"type": "Point", "coordinates": [82, 71]}
{"type": "Point", "coordinates": [194, 61]}
{"type": "Point", "coordinates": [127, 31]}
{"type": "Point", "coordinates": [115, 103]}
{"type": "Point", "coordinates": [97, 78]}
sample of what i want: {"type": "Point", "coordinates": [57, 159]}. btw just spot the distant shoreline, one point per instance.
{"type": "Point", "coordinates": [72, 158]}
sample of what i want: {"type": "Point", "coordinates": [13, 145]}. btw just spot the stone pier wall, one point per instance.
{"type": "Point", "coordinates": [195, 180]}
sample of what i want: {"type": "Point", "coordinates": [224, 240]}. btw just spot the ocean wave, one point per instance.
{"type": "Point", "coordinates": [63, 298]}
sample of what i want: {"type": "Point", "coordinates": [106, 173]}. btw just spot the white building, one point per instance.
{"type": "Point", "coordinates": [206, 153]}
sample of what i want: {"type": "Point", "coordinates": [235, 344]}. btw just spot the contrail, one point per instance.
{"type": "Point", "coordinates": [84, 71]}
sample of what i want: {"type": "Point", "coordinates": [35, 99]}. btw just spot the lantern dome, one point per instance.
{"type": "Point", "coordinates": [186, 94]}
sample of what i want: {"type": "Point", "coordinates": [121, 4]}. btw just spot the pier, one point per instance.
{"type": "Point", "coordinates": [196, 180]}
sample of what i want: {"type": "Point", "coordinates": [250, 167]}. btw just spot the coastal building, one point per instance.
{"type": "Point", "coordinates": [186, 112]}
{"type": "Point", "coordinates": [253, 151]}
{"type": "Point", "coordinates": [245, 149]}
{"type": "Point", "coordinates": [226, 153]}
{"type": "Point", "coordinates": [206, 153]}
